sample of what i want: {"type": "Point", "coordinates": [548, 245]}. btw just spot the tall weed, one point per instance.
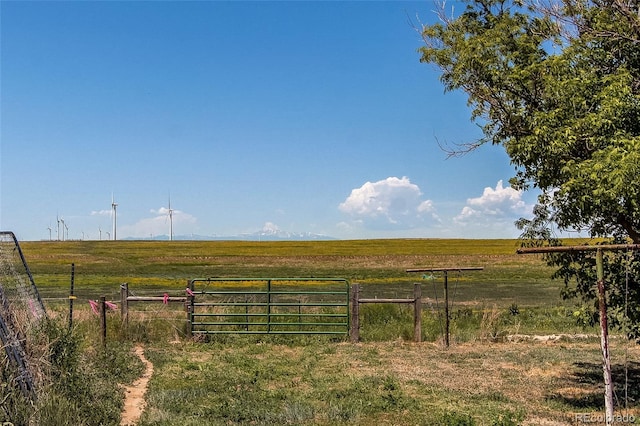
{"type": "Point", "coordinates": [78, 384]}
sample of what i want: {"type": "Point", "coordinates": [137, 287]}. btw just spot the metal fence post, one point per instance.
{"type": "Point", "coordinates": [190, 306]}
{"type": "Point", "coordinates": [604, 339]}
{"type": "Point", "coordinates": [354, 331]}
{"type": "Point", "coordinates": [71, 296]}
{"type": "Point", "coordinates": [246, 312]}
{"type": "Point", "coordinates": [269, 306]}
{"type": "Point", "coordinates": [417, 313]}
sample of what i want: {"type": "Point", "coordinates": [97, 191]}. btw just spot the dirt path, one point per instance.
{"type": "Point", "coordinates": [134, 402]}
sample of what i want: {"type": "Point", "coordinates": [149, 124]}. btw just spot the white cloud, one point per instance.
{"type": "Point", "coordinates": [183, 223]}
{"type": "Point", "coordinates": [164, 211]}
{"type": "Point", "coordinates": [101, 213]}
{"type": "Point", "coordinates": [390, 203]}
{"type": "Point", "coordinates": [426, 207]}
{"type": "Point", "coordinates": [494, 205]}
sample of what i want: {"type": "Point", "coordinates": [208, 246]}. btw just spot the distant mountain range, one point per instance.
{"type": "Point", "coordinates": [263, 235]}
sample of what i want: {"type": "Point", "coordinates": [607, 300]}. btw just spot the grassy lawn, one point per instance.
{"type": "Point", "coordinates": [491, 375]}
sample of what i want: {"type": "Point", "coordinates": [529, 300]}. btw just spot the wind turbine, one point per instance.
{"type": "Point", "coordinates": [114, 205]}
{"type": "Point", "coordinates": [100, 232]}
{"type": "Point", "coordinates": [58, 230]}
{"type": "Point", "coordinates": [170, 220]}
{"type": "Point", "coordinates": [63, 226]}
{"type": "Point", "coordinates": [67, 228]}
{"type": "Point", "coordinates": [49, 228]}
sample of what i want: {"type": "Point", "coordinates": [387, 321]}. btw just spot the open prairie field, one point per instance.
{"type": "Point", "coordinates": [379, 265]}
{"type": "Point", "coordinates": [517, 356]}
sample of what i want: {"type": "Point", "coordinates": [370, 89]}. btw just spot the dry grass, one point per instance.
{"type": "Point", "coordinates": [548, 382]}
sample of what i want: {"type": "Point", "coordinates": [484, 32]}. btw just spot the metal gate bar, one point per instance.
{"type": "Point", "coordinates": [218, 306]}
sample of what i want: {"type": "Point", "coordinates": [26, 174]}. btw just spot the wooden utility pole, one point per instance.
{"type": "Point", "coordinates": [602, 305]}
{"type": "Point", "coordinates": [446, 291]}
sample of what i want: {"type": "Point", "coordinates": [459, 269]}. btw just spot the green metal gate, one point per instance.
{"type": "Point", "coordinates": [268, 306]}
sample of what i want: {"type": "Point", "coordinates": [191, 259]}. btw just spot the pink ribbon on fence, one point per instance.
{"type": "Point", "coordinates": [94, 306]}
{"type": "Point", "coordinates": [165, 299]}
{"type": "Point", "coordinates": [95, 309]}
{"type": "Point", "coordinates": [32, 307]}
{"type": "Point", "coordinates": [189, 292]}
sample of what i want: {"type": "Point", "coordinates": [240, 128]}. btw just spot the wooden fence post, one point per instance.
{"type": "Point", "coordinates": [354, 331]}
{"type": "Point", "coordinates": [417, 313]}
{"type": "Point", "coordinates": [124, 303]}
{"type": "Point", "coordinates": [103, 319]}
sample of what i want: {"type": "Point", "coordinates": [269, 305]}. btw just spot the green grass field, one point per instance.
{"type": "Point", "coordinates": [379, 265]}
{"type": "Point", "coordinates": [493, 374]}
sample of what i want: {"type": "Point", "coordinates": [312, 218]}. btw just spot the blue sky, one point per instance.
{"type": "Point", "coordinates": [299, 116]}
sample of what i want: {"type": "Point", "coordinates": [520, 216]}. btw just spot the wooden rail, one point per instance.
{"type": "Point", "coordinates": [126, 298]}
{"type": "Point", "coordinates": [155, 299]}
{"type": "Point", "coordinates": [354, 331]}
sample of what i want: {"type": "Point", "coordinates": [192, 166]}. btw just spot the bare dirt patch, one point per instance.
{"type": "Point", "coordinates": [134, 402]}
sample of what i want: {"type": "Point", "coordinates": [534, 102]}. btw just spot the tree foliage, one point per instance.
{"type": "Point", "coordinates": [557, 84]}
{"type": "Point", "coordinates": [559, 88]}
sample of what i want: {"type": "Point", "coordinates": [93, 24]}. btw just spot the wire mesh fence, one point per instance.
{"type": "Point", "coordinates": [21, 312]}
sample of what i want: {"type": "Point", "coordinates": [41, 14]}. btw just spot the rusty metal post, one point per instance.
{"type": "Point", "coordinates": [417, 313]}
{"type": "Point", "coordinates": [602, 305]}
{"type": "Point", "coordinates": [446, 291]}
{"type": "Point", "coordinates": [604, 340]}
{"type": "Point", "coordinates": [354, 330]}
{"type": "Point", "coordinates": [446, 309]}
